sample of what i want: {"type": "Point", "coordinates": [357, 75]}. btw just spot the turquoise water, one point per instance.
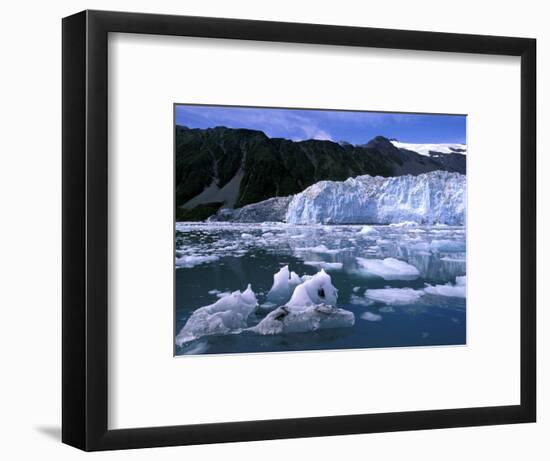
{"type": "Point", "coordinates": [224, 257]}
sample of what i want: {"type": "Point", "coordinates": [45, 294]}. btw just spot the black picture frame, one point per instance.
{"type": "Point", "coordinates": [85, 219]}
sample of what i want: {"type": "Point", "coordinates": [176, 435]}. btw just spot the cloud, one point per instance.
{"type": "Point", "coordinates": [301, 124]}
{"type": "Point", "coordinates": [281, 123]}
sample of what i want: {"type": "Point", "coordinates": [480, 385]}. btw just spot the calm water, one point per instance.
{"type": "Point", "coordinates": [225, 257]}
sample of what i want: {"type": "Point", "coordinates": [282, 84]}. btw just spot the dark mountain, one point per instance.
{"type": "Point", "coordinates": [235, 167]}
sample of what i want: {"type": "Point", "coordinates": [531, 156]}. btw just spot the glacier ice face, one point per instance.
{"type": "Point", "coordinates": [436, 197]}
{"type": "Point", "coordinates": [228, 315]}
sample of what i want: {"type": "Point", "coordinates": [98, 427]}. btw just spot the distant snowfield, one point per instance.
{"type": "Point", "coordinates": [425, 149]}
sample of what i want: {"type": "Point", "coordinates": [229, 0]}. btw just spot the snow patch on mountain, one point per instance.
{"type": "Point", "coordinates": [426, 149]}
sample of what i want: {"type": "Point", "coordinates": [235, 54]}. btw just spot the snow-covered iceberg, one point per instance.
{"type": "Point", "coordinates": [436, 197]}
{"type": "Point", "coordinates": [228, 315]}
{"type": "Point", "coordinates": [310, 308]}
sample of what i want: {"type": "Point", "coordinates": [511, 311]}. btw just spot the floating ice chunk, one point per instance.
{"type": "Point", "coordinates": [267, 306]}
{"type": "Point", "coordinates": [319, 249]}
{"type": "Point", "coordinates": [284, 283]}
{"type": "Point", "coordinates": [366, 230]}
{"type": "Point", "coordinates": [388, 268]}
{"type": "Point", "coordinates": [246, 235]}
{"type": "Point", "coordinates": [194, 260]}
{"type": "Point", "coordinates": [218, 293]}
{"type": "Point", "coordinates": [359, 301]}
{"type": "Point", "coordinates": [449, 290]}
{"type": "Point", "coordinates": [371, 317]}
{"type": "Point", "coordinates": [227, 315]}
{"type": "Point", "coordinates": [324, 265]}
{"type": "Point", "coordinates": [446, 290]}
{"type": "Point", "coordinates": [460, 280]}
{"type": "Point", "coordinates": [200, 348]}
{"type": "Point", "coordinates": [317, 289]}
{"type": "Point", "coordinates": [394, 296]}
{"type": "Point", "coordinates": [310, 308]}
{"type": "Point", "coordinates": [356, 289]}
{"type": "Point", "coordinates": [287, 319]}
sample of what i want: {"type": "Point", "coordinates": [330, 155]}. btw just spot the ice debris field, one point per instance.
{"type": "Point", "coordinates": [287, 287]}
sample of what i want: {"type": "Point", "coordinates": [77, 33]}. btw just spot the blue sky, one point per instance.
{"type": "Point", "coordinates": [353, 127]}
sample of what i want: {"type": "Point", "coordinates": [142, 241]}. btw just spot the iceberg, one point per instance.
{"type": "Point", "coordinates": [435, 197]}
{"type": "Point", "coordinates": [194, 260]}
{"type": "Point", "coordinates": [227, 315]}
{"type": "Point", "coordinates": [371, 317]}
{"type": "Point", "coordinates": [317, 289]}
{"type": "Point", "coordinates": [325, 265]}
{"type": "Point", "coordinates": [366, 230]}
{"type": "Point", "coordinates": [310, 308]}
{"type": "Point", "coordinates": [394, 295]}
{"type": "Point", "coordinates": [314, 317]}
{"type": "Point", "coordinates": [388, 268]}
{"type": "Point", "coordinates": [452, 291]}
{"type": "Point", "coordinates": [284, 283]}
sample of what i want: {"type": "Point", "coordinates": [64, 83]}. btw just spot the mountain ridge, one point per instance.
{"type": "Point", "coordinates": [233, 167]}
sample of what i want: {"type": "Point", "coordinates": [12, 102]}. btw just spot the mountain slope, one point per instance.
{"type": "Point", "coordinates": [235, 167]}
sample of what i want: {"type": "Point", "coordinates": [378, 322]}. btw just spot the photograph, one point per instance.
{"type": "Point", "coordinates": [308, 229]}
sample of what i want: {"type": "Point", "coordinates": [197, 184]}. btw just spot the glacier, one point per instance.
{"type": "Point", "coordinates": [438, 197]}
{"type": "Point", "coordinates": [430, 198]}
